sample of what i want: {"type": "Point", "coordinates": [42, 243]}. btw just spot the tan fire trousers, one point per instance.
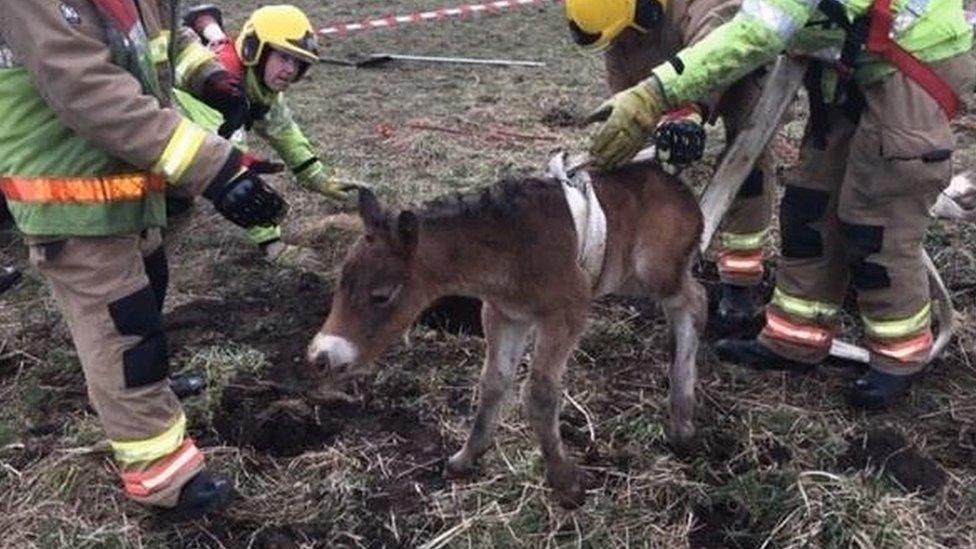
{"type": "Point", "coordinates": [110, 290]}
{"type": "Point", "coordinates": [856, 214]}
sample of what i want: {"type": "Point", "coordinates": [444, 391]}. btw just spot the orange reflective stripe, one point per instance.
{"type": "Point", "coordinates": [907, 350]}
{"type": "Point", "coordinates": [143, 483]}
{"type": "Point", "coordinates": [748, 263]}
{"type": "Point", "coordinates": [782, 329]}
{"type": "Point", "coordinates": [109, 188]}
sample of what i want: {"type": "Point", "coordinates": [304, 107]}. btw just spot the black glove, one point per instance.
{"type": "Point", "coordinates": [247, 201]}
{"type": "Point", "coordinates": [680, 138]}
{"type": "Point", "coordinates": [223, 91]}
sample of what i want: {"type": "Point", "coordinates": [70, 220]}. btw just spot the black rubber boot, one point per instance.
{"type": "Point", "coordinates": [204, 494]}
{"type": "Point", "coordinates": [187, 385]}
{"type": "Point", "coordinates": [877, 390]}
{"type": "Point", "coordinates": [751, 353]}
{"type": "Point", "coordinates": [9, 277]}
{"type": "Point", "coordinates": [738, 315]}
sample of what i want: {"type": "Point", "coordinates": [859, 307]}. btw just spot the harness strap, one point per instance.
{"type": "Point", "coordinates": [880, 43]}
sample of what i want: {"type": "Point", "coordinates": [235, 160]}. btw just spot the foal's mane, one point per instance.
{"type": "Point", "coordinates": [497, 202]}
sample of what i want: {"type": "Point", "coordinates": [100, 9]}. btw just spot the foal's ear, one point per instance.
{"type": "Point", "coordinates": [407, 229]}
{"type": "Point", "coordinates": [369, 209]}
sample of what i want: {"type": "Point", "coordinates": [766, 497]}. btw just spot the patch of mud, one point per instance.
{"type": "Point", "coordinates": [278, 317]}
{"type": "Point", "coordinates": [887, 450]}
{"type": "Point", "coordinates": [261, 417]}
{"type": "Point", "coordinates": [716, 524]}
{"type": "Point", "coordinates": [562, 117]}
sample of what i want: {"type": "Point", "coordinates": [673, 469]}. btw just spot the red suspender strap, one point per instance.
{"type": "Point", "coordinates": [881, 44]}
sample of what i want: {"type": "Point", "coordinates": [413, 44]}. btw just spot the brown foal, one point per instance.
{"type": "Point", "coordinates": [515, 247]}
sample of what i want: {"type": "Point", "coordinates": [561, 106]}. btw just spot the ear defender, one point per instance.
{"type": "Point", "coordinates": [647, 14]}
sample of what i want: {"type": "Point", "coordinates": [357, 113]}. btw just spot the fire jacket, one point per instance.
{"type": "Point", "coordinates": [272, 120]}
{"type": "Point", "coordinates": [929, 29]}
{"type": "Point", "coordinates": [89, 140]}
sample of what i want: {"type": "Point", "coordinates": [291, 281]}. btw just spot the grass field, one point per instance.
{"type": "Point", "coordinates": [782, 463]}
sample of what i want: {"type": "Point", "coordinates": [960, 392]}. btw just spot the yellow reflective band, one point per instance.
{"type": "Point", "coordinates": [803, 308]}
{"type": "Point", "coordinates": [159, 47]}
{"type": "Point", "coordinates": [891, 329]}
{"type": "Point", "coordinates": [150, 449]}
{"type": "Point", "coordinates": [190, 59]}
{"type": "Point", "coordinates": [743, 242]}
{"type": "Point", "coordinates": [180, 151]}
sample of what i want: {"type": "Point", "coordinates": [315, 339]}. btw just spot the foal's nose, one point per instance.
{"type": "Point", "coordinates": [330, 352]}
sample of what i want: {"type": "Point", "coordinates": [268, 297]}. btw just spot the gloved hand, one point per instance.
{"type": "Point", "coordinates": [680, 138]}
{"type": "Point", "coordinates": [331, 187]}
{"type": "Point", "coordinates": [224, 92]}
{"type": "Point", "coordinates": [630, 118]}
{"type": "Point", "coordinates": [247, 201]}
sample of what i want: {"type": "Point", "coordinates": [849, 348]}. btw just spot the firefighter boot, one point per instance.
{"type": "Point", "coordinates": [876, 390]}
{"type": "Point", "coordinates": [738, 315]}
{"type": "Point", "coordinates": [9, 277]}
{"type": "Point", "coordinates": [186, 385]}
{"type": "Point", "coordinates": [203, 494]}
{"type": "Point", "coordinates": [755, 355]}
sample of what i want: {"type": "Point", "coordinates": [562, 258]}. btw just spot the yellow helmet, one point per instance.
{"type": "Point", "coordinates": [595, 23]}
{"type": "Point", "coordinates": [282, 27]}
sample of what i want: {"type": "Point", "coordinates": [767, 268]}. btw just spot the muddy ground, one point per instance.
{"type": "Point", "coordinates": [781, 461]}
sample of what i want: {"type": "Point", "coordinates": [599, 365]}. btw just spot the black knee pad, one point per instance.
{"type": "Point", "coordinates": [799, 208]}
{"type": "Point", "coordinates": [860, 241]}
{"type": "Point", "coordinates": [136, 315]}
{"type": "Point", "coordinates": [752, 186]}
{"type": "Point", "coordinates": [157, 269]}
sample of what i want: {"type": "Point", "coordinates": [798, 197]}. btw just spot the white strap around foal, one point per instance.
{"type": "Point", "coordinates": [588, 218]}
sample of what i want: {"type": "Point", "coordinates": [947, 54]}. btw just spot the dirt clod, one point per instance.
{"type": "Point", "coordinates": [887, 450]}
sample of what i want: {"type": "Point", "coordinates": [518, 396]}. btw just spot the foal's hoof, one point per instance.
{"type": "Point", "coordinates": [682, 442]}
{"type": "Point", "coordinates": [459, 467]}
{"type": "Point", "coordinates": [567, 488]}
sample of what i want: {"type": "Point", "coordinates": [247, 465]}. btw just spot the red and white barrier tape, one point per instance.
{"type": "Point", "coordinates": [434, 15]}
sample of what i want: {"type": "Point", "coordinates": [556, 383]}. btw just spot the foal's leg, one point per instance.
{"type": "Point", "coordinates": [555, 339]}
{"type": "Point", "coordinates": [505, 339]}
{"type": "Point", "coordinates": [686, 311]}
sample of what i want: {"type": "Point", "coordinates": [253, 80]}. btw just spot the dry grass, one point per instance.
{"type": "Point", "coordinates": [781, 461]}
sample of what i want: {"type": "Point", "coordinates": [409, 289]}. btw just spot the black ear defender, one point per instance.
{"type": "Point", "coordinates": [648, 13]}
{"type": "Point", "coordinates": [249, 48]}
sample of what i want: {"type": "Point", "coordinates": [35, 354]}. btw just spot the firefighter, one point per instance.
{"type": "Point", "coordinates": [274, 50]}
{"type": "Point", "coordinates": [875, 156]}
{"type": "Point", "coordinates": [88, 146]}
{"type": "Point", "coordinates": [637, 35]}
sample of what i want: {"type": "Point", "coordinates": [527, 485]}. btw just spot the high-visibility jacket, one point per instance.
{"type": "Point", "coordinates": [931, 30]}
{"type": "Point", "coordinates": [88, 139]}
{"type": "Point", "coordinates": [273, 121]}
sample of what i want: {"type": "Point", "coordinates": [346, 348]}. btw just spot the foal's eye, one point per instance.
{"type": "Point", "coordinates": [385, 295]}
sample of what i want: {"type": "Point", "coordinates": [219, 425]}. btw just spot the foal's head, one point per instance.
{"type": "Point", "coordinates": [380, 291]}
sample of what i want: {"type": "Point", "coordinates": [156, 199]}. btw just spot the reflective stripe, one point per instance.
{"type": "Point", "coordinates": [779, 328]}
{"type": "Point", "coordinates": [894, 329]}
{"type": "Point", "coordinates": [143, 483]}
{"type": "Point", "coordinates": [748, 241]}
{"type": "Point", "coordinates": [803, 308]}
{"type": "Point", "coordinates": [740, 263]}
{"type": "Point", "coordinates": [189, 60]}
{"type": "Point", "coordinates": [909, 14]}
{"type": "Point", "coordinates": [912, 350]}
{"type": "Point", "coordinates": [150, 449]}
{"type": "Point", "coordinates": [109, 188]}
{"type": "Point", "coordinates": [159, 47]}
{"type": "Point", "coordinates": [180, 151]}
{"type": "Point", "coordinates": [772, 16]}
